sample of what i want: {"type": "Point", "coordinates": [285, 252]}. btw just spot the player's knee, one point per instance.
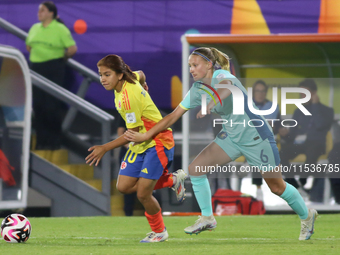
{"type": "Point", "coordinates": [122, 189]}
{"type": "Point", "coordinates": [143, 197]}
{"type": "Point", "coordinates": [193, 170]}
{"type": "Point", "coordinates": [276, 188]}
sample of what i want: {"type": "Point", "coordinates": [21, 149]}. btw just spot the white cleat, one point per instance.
{"type": "Point", "coordinates": [203, 223]}
{"type": "Point", "coordinates": [179, 186]}
{"type": "Point", "coordinates": [307, 225]}
{"type": "Point", "coordinates": [154, 237]}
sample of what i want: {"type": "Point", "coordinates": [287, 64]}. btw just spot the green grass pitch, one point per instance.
{"type": "Point", "coordinates": [268, 234]}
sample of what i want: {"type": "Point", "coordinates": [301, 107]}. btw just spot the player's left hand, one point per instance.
{"type": "Point", "coordinates": [134, 136]}
{"type": "Point", "coordinates": [200, 115]}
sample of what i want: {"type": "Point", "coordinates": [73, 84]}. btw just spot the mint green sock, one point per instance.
{"type": "Point", "coordinates": [292, 196]}
{"type": "Point", "coordinates": [201, 187]}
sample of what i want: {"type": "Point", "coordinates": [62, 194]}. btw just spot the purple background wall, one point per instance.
{"type": "Point", "coordinates": [147, 33]}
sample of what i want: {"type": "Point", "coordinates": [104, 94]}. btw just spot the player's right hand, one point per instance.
{"type": "Point", "coordinates": [96, 155]}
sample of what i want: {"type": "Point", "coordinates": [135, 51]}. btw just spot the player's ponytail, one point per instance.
{"type": "Point", "coordinates": [129, 75]}
{"type": "Point", "coordinates": [221, 58]}
{"type": "Point", "coordinates": [117, 64]}
{"type": "Point", "coordinates": [216, 57]}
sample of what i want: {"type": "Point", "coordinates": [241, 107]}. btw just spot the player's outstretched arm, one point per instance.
{"type": "Point", "coordinates": [165, 123]}
{"type": "Point", "coordinates": [98, 151]}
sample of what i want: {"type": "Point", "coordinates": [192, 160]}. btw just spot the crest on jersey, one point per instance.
{"type": "Point", "coordinates": [130, 117]}
{"type": "Point", "coordinates": [222, 135]}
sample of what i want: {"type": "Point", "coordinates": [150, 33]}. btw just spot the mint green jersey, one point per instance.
{"type": "Point", "coordinates": [243, 129]}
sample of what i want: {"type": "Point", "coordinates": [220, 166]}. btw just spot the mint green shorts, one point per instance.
{"type": "Point", "coordinates": [264, 155]}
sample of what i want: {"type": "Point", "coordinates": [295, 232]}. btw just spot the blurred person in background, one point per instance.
{"type": "Point", "coordinates": [308, 137]}
{"type": "Point", "coordinates": [50, 44]}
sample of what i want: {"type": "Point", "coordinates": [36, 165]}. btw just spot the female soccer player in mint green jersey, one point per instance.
{"type": "Point", "coordinates": [209, 67]}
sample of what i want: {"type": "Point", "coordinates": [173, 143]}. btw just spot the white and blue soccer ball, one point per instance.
{"type": "Point", "coordinates": [15, 228]}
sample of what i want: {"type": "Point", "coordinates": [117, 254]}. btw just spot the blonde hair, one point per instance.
{"type": "Point", "coordinates": [215, 56]}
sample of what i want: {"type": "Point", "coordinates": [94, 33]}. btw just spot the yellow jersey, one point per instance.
{"type": "Point", "coordinates": [137, 109]}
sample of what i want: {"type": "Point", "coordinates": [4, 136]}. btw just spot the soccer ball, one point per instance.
{"type": "Point", "coordinates": [15, 228]}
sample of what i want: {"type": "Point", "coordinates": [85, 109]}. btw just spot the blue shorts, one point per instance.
{"type": "Point", "coordinates": [151, 164]}
{"type": "Point", "coordinates": [264, 155]}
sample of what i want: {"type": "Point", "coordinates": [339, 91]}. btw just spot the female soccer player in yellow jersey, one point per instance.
{"type": "Point", "coordinates": [145, 165]}
{"type": "Point", "coordinates": [209, 68]}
